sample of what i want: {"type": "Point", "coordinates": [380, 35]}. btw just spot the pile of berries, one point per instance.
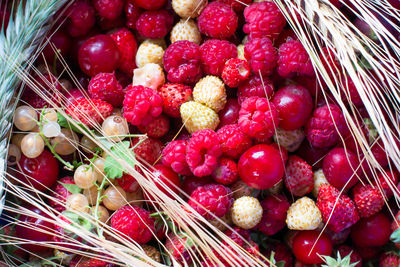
{"type": "Point", "coordinates": [231, 117]}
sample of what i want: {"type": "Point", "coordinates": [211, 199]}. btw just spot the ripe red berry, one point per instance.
{"type": "Point", "coordinates": [127, 47]}
{"type": "Point", "coordinates": [373, 231]}
{"type": "Point", "coordinates": [60, 194]}
{"type": "Point", "coordinates": [156, 128]}
{"type": "Point", "coordinates": [81, 18]}
{"type": "Point", "coordinates": [299, 178]}
{"type": "Point", "coordinates": [181, 248]}
{"type": "Point", "coordinates": [61, 42]}
{"type": "Point", "coordinates": [173, 96]}
{"type": "Point", "coordinates": [166, 179]}
{"type": "Point", "coordinates": [294, 60]}
{"type": "Point", "coordinates": [128, 183]}
{"type": "Point", "coordinates": [214, 54]}
{"type": "Point", "coordinates": [149, 4]}
{"type": "Point", "coordinates": [261, 166]}
{"type": "Point", "coordinates": [174, 156]}
{"type": "Point", "coordinates": [105, 86]}
{"type": "Point", "coordinates": [309, 246]}
{"type": "Point", "coordinates": [148, 150]}
{"type": "Point", "coordinates": [386, 180]}
{"type": "Point", "coordinates": [89, 111]}
{"type": "Point", "coordinates": [226, 172]}
{"type": "Point", "coordinates": [154, 23]}
{"type": "Point", "coordinates": [235, 72]}
{"type": "Point", "coordinates": [132, 14]}
{"type": "Point", "coordinates": [233, 141]}
{"type": "Point", "coordinates": [275, 208]}
{"type": "Point", "coordinates": [238, 7]}
{"type": "Point", "coordinates": [368, 200]}
{"type": "Point", "coordinates": [109, 9]}
{"type": "Point", "coordinates": [255, 86]}
{"type": "Point", "coordinates": [261, 55]}
{"type": "Point", "coordinates": [230, 113]}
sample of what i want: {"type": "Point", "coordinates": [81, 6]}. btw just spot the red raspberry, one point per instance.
{"type": "Point", "coordinates": [81, 18]}
{"type": "Point", "coordinates": [109, 9]}
{"type": "Point", "coordinates": [273, 219]}
{"type": "Point", "coordinates": [89, 111]}
{"type": "Point", "coordinates": [211, 198]}
{"type": "Point", "coordinates": [156, 128]}
{"type": "Point", "coordinates": [132, 13]}
{"type": "Point", "coordinates": [127, 48]}
{"type": "Point", "coordinates": [226, 172]}
{"type": "Point", "coordinates": [237, 6]}
{"type": "Point", "coordinates": [293, 59]}
{"type": "Point", "coordinates": [258, 117]}
{"type": "Point", "coordinates": [345, 250]}
{"type": "Point", "coordinates": [105, 86]}
{"type": "Point", "coordinates": [149, 150]}
{"type": "Point", "coordinates": [386, 183]}
{"type": "Point", "coordinates": [141, 104]}
{"type": "Point", "coordinates": [128, 183]}
{"type": "Point", "coordinates": [299, 178]}
{"type": "Point", "coordinates": [173, 96]}
{"type": "Point", "coordinates": [217, 20]}
{"type": "Point", "coordinates": [263, 19]}
{"type": "Point", "coordinates": [255, 86]}
{"type": "Point", "coordinates": [133, 222]}
{"type": "Point", "coordinates": [235, 72]}
{"type": "Point", "coordinates": [321, 128]}
{"type": "Point", "coordinates": [149, 4]}
{"type": "Point", "coordinates": [261, 55]}
{"type": "Point", "coordinates": [214, 54]}
{"type": "Point", "coordinates": [368, 200]}
{"type": "Point", "coordinates": [203, 152]}
{"type": "Point", "coordinates": [233, 141]}
{"type": "Point", "coordinates": [154, 23]}
{"type": "Point", "coordinates": [60, 194]}
{"type": "Point", "coordinates": [182, 62]}
{"type": "Point", "coordinates": [174, 156]}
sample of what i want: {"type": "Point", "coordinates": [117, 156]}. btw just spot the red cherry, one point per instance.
{"type": "Point", "coordinates": [109, 9]}
{"type": "Point", "coordinates": [32, 229]}
{"type": "Point", "coordinates": [373, 231]}
{"type": "Point", "coordinates": [230, 113]}
{"type": "Point", "coordinates": [339, 168]}
{"type": "Point", "coordinates": [164, 174]}
{"type": "Point", "coordinates": [261, 166]}
{"type": "Point", "coordinates": [81, 18]}
{"type": "Point", "coordinates": [312, 155]}
{"type": "Point", "coordinates": [61, 41]}
{"type": "Point", "coordinates": [149, 4]}
{"type": "Point", "coordinates": [294, 104]}
{"type": "Point", "coordinates": [98, 54]}
{"type": "Point", "coordinates": [41, 172]}
{"type": "Point", "coordinates": [308, 246]}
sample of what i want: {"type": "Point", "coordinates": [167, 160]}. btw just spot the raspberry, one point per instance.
{"type": "Point", "coordinates": [325, 125]}
{"type": "Point", "coordinates": [141, 104]}
{"type": "Point", "coordinates": [263, 19]}
{"type": "Point", "coordinates": [226, 172]}
{"type": "Point", "coordinates": [127, 48]}
{"type": "Point", "coordinates": [173, 96]}
{"type": "Point", "coordinates": [156, 128]}
{"type": "Point", "coordinates": [174, 156]}
{"type": "Point", "coordinates": [255, 86]}
{"type": "Point", "coordinates": [235, 72]}
{"type": "Point", "coordinates": [196, 116]}
{"type": "Point", "coordinates": [258, 117]}
{"type": "Point", "coordinates": [233, 142]}
{"type": "Point", "coordinates": [214, 54]}
{"type": "Point", "coordinates": [186, 30]}
{"type": "Point", "coordinates": [60, 194]}
{"type": "Point", "coordinates": [274, 214]}
{"type": "Point", "coordinates": [149, 150]}
{"type": "Point", "coordinates": [218, 20]}
{"type": "Point", "coordinates": [105, 86]}
{"type": "Point", "coordinates": [149, 53]}
{"type": "Point", "coordinates": [210, 91]}
{"type": "Point", "coordinates": [154, 23]}
{"type": "Point", "coordinates": [368, 200]}
{"type": "Point", "coordinates": [109, 9]}
{"type": "Point", "coordinates": [188, 8]}
{"type": "Point", "coordinates": [203, 152]}
{"type": "Point", "coordinates": [182, 62]}
{"type": "Point", "coordinates": [261, 55]}
{"type": "Point", "coordinates": [150, 75]}
{"type": "Point", "coordinates": [293, 59]}
{"type": "Point", "coordinates": [238, 7]}
{"type": "Point", "coordinates": [132, 14]}
{"type": "Point", "coordinates": [211, 198]}
{"type": "Point", "coordinates": [133, 222]}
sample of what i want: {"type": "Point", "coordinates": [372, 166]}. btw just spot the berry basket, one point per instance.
{"type": "Point", "coordinates": [195, 133]}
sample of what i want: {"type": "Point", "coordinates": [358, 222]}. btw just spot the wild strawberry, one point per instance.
{"type": "Point", "coordinates": [60, 194]}
{"type": "Point", "coordinates": [149, 52]}
{"type": "Point", "coordinates": [80, 261]}
{"type": "Point", "coordinates": [127, 47]}
{"type": "Point", "coordinates": [90, 112]}
{"type": "Point", "coordinates": [233, 141]}
{"type": "Point", "coordinates": [174, 95]}
{"type": "Point", "coordinates": [303, 215]}
{"type": "Point", "coordinates": [368, 200]}
{"type": "Point", "coordinates": [185, 30]}
{"type": "Point", "coordinates": [338, 211]}
{"type": "Point", "coordinates": [148, 150]}
{"type": "Point", "coordinates": [156, 128]}
{"type": "Point", "coordinates": [246, 212]}
{"type": "Point", "coordinates": [188, 8]}
{"type": "Point", "coordinates": [290, 140]}
{"type": "Point", "coordinates": [181, 247]}
{"type": "Point", "coordinates": [235, 72]}
{"type": "Point", "coordinates": [319, 179]}
{"type": "Point", "coordinates": [386, 180]}
{"type": "Point", "coordinates": [299, 176]}
{"type": "Point", "coordinates": [196, 116]}
{"type": "Point", "coordinates": [226, 172]}
{"type": "Point", "coordinates": [210, 91]}
{"type": "Point", "coordinates": [275, 208]}
{"type": "Point", "coordinates": [389, 259]}
{"type": "Point", "coordinates": [294, 60]}
{"type": "Point", "coordinates": [105, 86]}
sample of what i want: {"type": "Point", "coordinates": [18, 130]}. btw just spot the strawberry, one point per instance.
{"type": "Point", "coordinates": [303, 215]}
{"type": "Point", "coordinates": [173, 96]}
{"type": "Point", "coordinates": [149, 150]}
{"type": "Point", "coordinates": [197, 117]}
{"type": "Point", "coordinates": [89, 111]}
{"type": "Point", "coordinates": [389, 259]}
{"type": "Point", "coordinates": [181, 248]}
{"type": "Point", "coordinates": [338, 211]}
{"type": "Point", "coordinates": [299, 179]}
{"type": "Point", "coordinates": [156, 128]}
{"type": "Point", "coordinates": [368, 200]}
{"type": "Point", "coordinates": [246, 212]}
{"type": "Point", "coordinates": [127, 47]}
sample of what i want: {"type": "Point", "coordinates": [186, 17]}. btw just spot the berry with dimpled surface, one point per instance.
{"type": "Point", "coordinates": [294, 60]}
{"type": "Point", "coordinates": [210, 91]}
{"type": "Point", "coordinates": [105, 86]}
{"type": "Point", "coordinates": [214, 54]}
{"type": "Point", "coordinates": [368, 200]}
{"type": "Point", "coordinates": [303, 215]}
{"type": "Point", "coordinates": [149, 52]}
{"type": "Point", "coordinates": [60, 194]}
{"type": "Point", "coordinates": [154, 24]}
{"type": "Point", "coordinates": [188, 8]}
{"type": "Point", "coordinates": [246, 212]}
{"type": "Point", "coordinates": [185, 30]}
{"type": "Point", "coordinates": [235, 72]}
{"type": "Point", "coordinates": [235, 5]}
{"type": "Point", "coordinates": [156, 128]}
{"type": "Point", "coordinates": [226, 172]}
{"type": "Point", "coordinates": [174, 156]}
{"type": "Point", "coordinates": [89, 111]}
{"type": "Point", "coordinates": [255, 86]}
{"type": "Point", "coordinates": [299, 178]}
{"type": "Point", "coordinates": [197, 117]}
{"type": "Point", "coordinates": [148, 150]}
{"type": "Point", "coordinates": [261, 55]}
{"type": "Point", "coordinates": [233, 141]}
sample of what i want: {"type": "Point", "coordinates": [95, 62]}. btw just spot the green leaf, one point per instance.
{"type": "Point", "coordinates": [119, 152]}
{"type": "Point", "coordinates": [395, 237]}
{"type": "Point", "coordinates": [66, 123]}
{"type": "Point", "coordinates": [72, 188]}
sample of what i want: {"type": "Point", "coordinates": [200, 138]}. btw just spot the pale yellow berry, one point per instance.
{"type": "Point", "coordinates": [87, 144]}
{"type": "Point", "coordinates": [102, 213]}
{"type": "Point", "coordinates": [303, 215]}
{"type": "Point", "coordinates": [319, 179]}
{"type": "Point", "coordinates": [150, 75]}
{"type": "Point", "coordinates": [51, 129]}
{"type": "Point", "coordinates": [32, 145]}
{"type": "Point", "coordinates": [115, 128]}
{"type": "Point", "coordinates": [186, 30]}
{"type": "Point", "coordinates": [240, 51]}
{"type": "Point", "coordinates": [91, 194]}
{"type": "Point", "coordinates": [25, 118]}
{"type": "Point", "coordinates": [85, 176]}
{"type": "Point", "coordinates": [188, 8]}
{"type": "Point", "coordinates": [114, 198]}
{"type": "Point", "coordinates": [50, 114]}
{"type": "Point", "coordinates": [210, 91]}
{"type": "Point", "coordinates": [290, 140]}
{"type": "Point", "coordinates": [149, 53]}
{"type": "Point", "coordinates": [98, 165]}
{"type": "Point", "coordinates": [196, 116]}
{"type": "Point", "coordinates": [66, 143]}
{"type": "Point", "coordinates": [16, 139]}
{"type": "Point", "coordinates": [13, 155]}
{"type": "Point", "coordinates": [246, 212]}
{"type": "Point", "coordinates": [77, 202]}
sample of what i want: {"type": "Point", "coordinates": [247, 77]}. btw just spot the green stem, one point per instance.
{"type": "Point", "coordinates": [66, 163]}
{"type": "Point", "coordinates": [96, 210]}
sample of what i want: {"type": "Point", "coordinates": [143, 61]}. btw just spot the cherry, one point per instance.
{"type": "Point", "coordinates": [339, 168]}
{"type": "Point", "coordinates": [230, 113]}
{"type": "Point", "coordinates": [109, 9]}
{"type": "Point", "coordinates": [294, 104]}
{"type": "Point", "coordinates": [132, 13]}
{"type": "Point", "coordinates": [73, 94]}
{"type": "Point", "coordinates": [34, 229]}
{"type": "Point", "coordinates": [98, 54]}
{"type": "Point", "coordinates": [165, 175]}
{"type": "Point", "coordinates": [81, 18]}
{"type": "Point", "coordinates": [312, 155]}
{"type": "Point", "coordinates": [149, 4]}
{"type": "Point", "coordinates": [190, 183]}
{"type": "Point", "coordinates": [261, 166]}
{"type": "Point", "coordinates": [41, 172]}
{"type": "Point", "coordinates": [309, 246]}
{"type": "Point", "coordinates": [373, 231]}
{"type": "Point", "coordinates": [61, 42]}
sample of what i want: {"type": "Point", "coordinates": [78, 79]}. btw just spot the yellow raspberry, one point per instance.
{"type": "Point", "coordinates": [149, 53]}
{"type": "Point", "coordinates": [240, 51]}
{"type": "Point", "coordinates": [303, 215]}
{"type": "Point", "coordinates": [210, 91]}
{"type": "Point", "coordinates": [246, 212]}
{"type": "Point", "coordinates": [188, 8]}
{"type": "Point", "coordinates": [319, 179]}
{"type": "Point", "coordinates": [196, 117]}
{"type": "Point", "coordinates": [290, 140]}
{"type": "Point", "coordinates": [186, 30]}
